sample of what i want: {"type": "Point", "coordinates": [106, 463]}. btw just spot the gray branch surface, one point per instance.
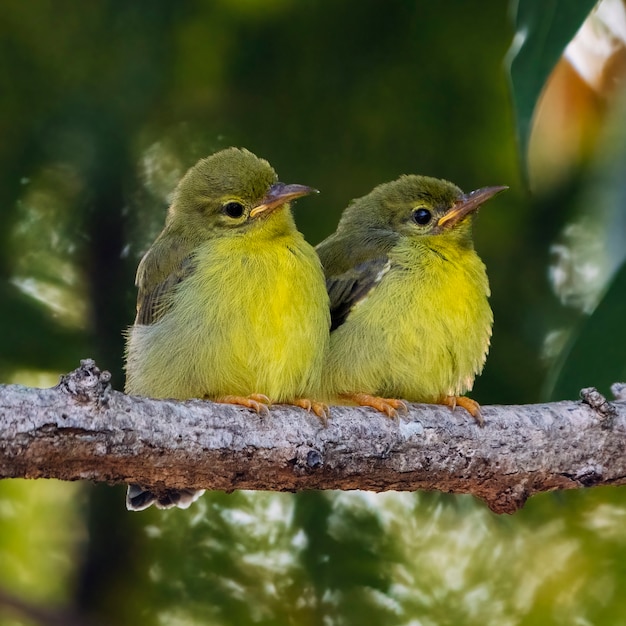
{"type": "Point", "coordinates": [83, 430]}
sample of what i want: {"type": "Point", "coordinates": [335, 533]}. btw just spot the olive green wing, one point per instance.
{"type": "Point", "coordinates": [347, 289]}
{"type": "Point", "coordinates": [159, 273]}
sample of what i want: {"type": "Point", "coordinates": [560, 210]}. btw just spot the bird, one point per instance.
{"type": "Point", "coordinates": [410, 317]}
{"type": "Point", "coordinates": [232, 304]}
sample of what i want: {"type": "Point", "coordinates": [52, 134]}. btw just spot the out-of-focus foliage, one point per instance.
{"type": "Point", "coordinates": [598, 346]}
{"type": "Point", "coordinates": [542, 30]}
{"type": "Point", "coordinates": [358, 558]}
{"type": "Point", "coordinates": [105, 104]}
{"type": "Point", "coordinates": [588, 273]}
{"type": "Point", "coordinates": [46, 531]}
{"type": "Point", "coordinates": [578, 144]}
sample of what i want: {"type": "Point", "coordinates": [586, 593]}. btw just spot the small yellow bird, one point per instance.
{"type": "Point", "coordinates": [408, 296]}
{"type": "Point", "coordinates": [232, 304]}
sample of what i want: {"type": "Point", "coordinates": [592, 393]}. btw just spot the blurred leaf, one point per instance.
{"type": "Point", "coordinates": [347, 559]}
{"type": "Point", "coordinates": [543, 28]}
{"type": "Point", "coordinates": [37, 560]}
{"type": "Point", "coordinates": [595, 356]}
{"type": "Point", "coordinates": [32, 338]}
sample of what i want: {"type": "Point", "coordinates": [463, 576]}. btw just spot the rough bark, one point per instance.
{"type": "Point", "coordinates": [83, 430]}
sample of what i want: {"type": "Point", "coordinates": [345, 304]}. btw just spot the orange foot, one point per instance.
{"type": "Point", "coordinates": [389, 406]}
{"type": "Point", "coordinates": [255, 401]}
{"type": "Point", "coordinates": [319, 408]}
{"type": "Point", "coordinates": [471, 406]}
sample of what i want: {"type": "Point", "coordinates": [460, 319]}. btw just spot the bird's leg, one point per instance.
{"type": "Point", "coordinates": [255, 401]}
{"type": "Point", "coordinates": [471, 406]}
{"type": "Point", "coordinates": [389, 406]}
{"type": "Point", "coordinates": [319, 408]}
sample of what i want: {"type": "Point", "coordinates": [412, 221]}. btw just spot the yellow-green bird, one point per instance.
{"type": "Point", "coordinates": [408, 297]}
{"type": "Point", "coordinates": [232, 304]}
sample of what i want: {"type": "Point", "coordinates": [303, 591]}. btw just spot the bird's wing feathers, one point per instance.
{"type": "Point", "coordinates": [155, 285]}
{"type": "Point", "coordinates": [347, 289]}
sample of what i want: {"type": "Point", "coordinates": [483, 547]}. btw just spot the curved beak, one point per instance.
{"type": "Point", "coordinates": [466, 204]}
{"type": "Point", "coordinates": [279, 194]}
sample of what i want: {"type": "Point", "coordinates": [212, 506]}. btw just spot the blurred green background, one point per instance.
{"type": "Point", "coordinates": [105, 104]}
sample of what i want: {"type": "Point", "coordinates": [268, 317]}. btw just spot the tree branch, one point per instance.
{"type": "Point", "coordinates": [81, 429]}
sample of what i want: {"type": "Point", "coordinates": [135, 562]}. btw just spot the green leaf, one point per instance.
{"type": "Point", "coordinates": [543, 28]}
{"type": "Point", "coordinates": [596, 355]}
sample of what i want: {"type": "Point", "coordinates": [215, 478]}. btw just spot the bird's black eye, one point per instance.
{"type": "Point", "coordinates": [233, 209]}
{"type": "Point", "coordinates": [422, 216]}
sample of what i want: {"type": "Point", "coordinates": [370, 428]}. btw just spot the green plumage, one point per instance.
{"type": "Point", "coordinates": [228, 305]}
{"type": "Point", "coordinates": [408, 293]}
{"type": "Point", "coordinates": [231, 298]}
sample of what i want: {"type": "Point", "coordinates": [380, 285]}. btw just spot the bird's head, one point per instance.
{"type": "Point", "coordinates": [232, 191]}
{"type": "Point", "coordinates": [415, 207]}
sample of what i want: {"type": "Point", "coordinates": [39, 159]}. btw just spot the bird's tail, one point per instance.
{"type": "Point", "coordinates": [138, 498]}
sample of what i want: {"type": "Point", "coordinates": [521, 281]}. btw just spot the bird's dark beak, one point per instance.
{"type": "Point", "coordinates": [466, 204]}
{"type": "Point", "coordinates": [279, 194]}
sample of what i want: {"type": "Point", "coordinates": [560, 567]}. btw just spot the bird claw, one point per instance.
{"type": "Point", "coordinates": [303, 403]}
{"type": "Point", "coordinates": [260, 397]}
{"type": "Point", "coordinates": [391, 407]}
{"type": "Point", "coordinates": [320, 409]}
{"type": "Point", "coordinates": [255, 401]}
{"type": "Point", "coordinates": [471, 406]}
